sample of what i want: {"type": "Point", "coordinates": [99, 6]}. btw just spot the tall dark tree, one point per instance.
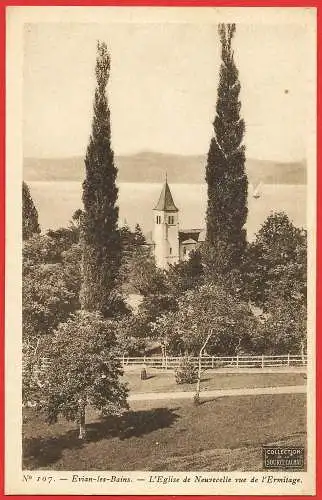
{"type": "Point", "coordinates": [30, 225]}
{"type": "Point", "coordinates": [100, 236]}
{"type": "Point", "coordinates": [225, 170]}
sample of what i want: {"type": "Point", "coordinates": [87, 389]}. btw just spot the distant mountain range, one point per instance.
{"type": "Point", "coordinates": [151, 167]}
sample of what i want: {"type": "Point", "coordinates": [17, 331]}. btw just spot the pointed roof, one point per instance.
{"type": "Point", "coordinates": [166, 202]}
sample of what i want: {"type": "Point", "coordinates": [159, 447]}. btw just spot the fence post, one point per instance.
{"type": "Point", "coordinates": [237, 364]}
{"type": "Point", "coordinates": [302, 353]}
{"type": "Point", "coordinates": [262, 360]}
{"type": "Point", "coordinates": [212, 362]}
{"type": "Point", "coordinates": [123, 360]}
{"type": "Point", "coordinates": [288, 359]}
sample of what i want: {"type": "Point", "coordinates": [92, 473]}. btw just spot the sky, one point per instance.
{"type": "Point", "coordinates": [163, 86]}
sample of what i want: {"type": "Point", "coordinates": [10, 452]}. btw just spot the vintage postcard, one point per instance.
{"type": "Point", "coordinates": [160, 243]}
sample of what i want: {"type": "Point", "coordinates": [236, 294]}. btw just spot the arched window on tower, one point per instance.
{"type": "Point", "coordinates": [158, 219]}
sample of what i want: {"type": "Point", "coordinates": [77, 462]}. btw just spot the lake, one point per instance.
{"type": "Point", "coordinates": [56, 202]}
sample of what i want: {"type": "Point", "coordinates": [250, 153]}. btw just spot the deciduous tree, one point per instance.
{"type": "Point", "coordinates": [283, 331]}
{"type": "Point", "coordinates": [50, 281]}
{"type": "Point", "coordinates": [84, 371]}
{"type": "Point", "coordinates": [49, 296]}
{"type": "Point", "coordinates": [185, 275]}
{"type": "Point", "coordinates": [275, 264]}
{"type": "Point", "coordinates": [200, 311]}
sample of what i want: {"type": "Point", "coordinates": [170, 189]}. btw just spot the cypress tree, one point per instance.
{"type": "Point", "coordinates": [30, 225]}
{"type": "Point", "coordinates": [225, 171]}
{"type": "Point", "coordinates": [99, 232]}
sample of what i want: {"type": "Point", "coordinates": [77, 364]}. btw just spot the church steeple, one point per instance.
{"type": "Point", "coordinates": [166, 229]}
{"type": "Point", "coordinates": [166, 202]}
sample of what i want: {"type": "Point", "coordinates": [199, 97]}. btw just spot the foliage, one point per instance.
{"type": "Point", "coordinates": [49, 296]}
{"type": "Point", "coordinates": [217, 262]}
{"type": "Point", "coordinates": [187, 372]}
{"type": "Point", "coordinates": [153, 306]}
{"type": "Point", "coordinates": [127, 241]}
{"type": "Point", "coordinates": [131, 335]}
{"type": "Point", "coordinates": [77, 217]}
{"type": "Point", "coordinates": [138, 273]}
{"type": "Point", "coordinates": [51, 282]}
{"type": "Point", "coordinates": [99, 234]}
{"type": "Point", "coordinates": [49, 248]}
{"type": "Point", "coordinates": [132, 346]}
{"type": "Point", "coordinates": [283, 331]}
{"type": "Point", "coordinates": [185, 275]}
{"type": "Point", "coordinates": [30, 359]}
{"type": "Point", "coordinates": [63, 238]}
{"type": "Point", "coordinates": [274, 266]}
{"type": "Point", "coordinates": [225, 171]}
{"type": "Point", "coordinates": [84, 369]}
{"type": "Point", "coordinates": [143, 276]}
{"type": "Point", "coordinates": [30, 225]}
{"type": "Point", "coordinates": [139, 238]}
{"type": "Point", "coordinates": [137, 326]}
{"type": "Point", "coordinates": [160, 289]}
{"type": "Point", "coordinates": [209, 308]}
{"type": "Point", "coordinates": [39, 249]}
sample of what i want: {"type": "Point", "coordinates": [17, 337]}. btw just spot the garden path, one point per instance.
{"type": "Point", "coordinates": [290, 389]}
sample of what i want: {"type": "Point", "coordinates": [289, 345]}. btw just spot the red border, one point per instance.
{"type": "Point", "coordinates": [160, 3]}
{"type": "Point", "coordinates": [2, 226]}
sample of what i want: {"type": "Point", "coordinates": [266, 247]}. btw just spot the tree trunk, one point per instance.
{"type": "Point", "coordinates": [164, 354]}
{"type": "Point", "coordinates": [196, 397]}
{"type": "Point", "coordinates": [82, 420]}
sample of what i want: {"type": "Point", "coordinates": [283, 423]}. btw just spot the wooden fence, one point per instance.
{"type": "Point", "coordinates": [212, 362]}
{"type": "Point", "coordinates": [207, 362]}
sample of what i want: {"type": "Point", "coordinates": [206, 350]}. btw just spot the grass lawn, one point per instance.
{"type": "Point", "coordinates": [219, 435]}
{"type": "Point", "coordinates": [165, 382]}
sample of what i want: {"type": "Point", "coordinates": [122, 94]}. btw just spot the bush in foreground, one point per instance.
{"type": "Point", "coordinates": [187, 372]}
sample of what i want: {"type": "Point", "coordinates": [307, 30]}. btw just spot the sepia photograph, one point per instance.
{"type": "Point", "coordinates": [162, 179]}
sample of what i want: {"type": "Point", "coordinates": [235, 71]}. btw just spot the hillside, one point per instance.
{"type": "Point", "coordinates": [151, 167]}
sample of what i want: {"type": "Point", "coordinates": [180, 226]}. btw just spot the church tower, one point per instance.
{"type": "Point", "coordinates": [166, 229]}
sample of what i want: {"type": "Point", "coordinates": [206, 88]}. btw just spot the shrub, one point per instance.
{"type": "Point", "coordinates": [187, 372]}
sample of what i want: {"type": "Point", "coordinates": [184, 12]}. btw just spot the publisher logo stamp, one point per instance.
{"type": "Point", "coordinates": [279, 457]}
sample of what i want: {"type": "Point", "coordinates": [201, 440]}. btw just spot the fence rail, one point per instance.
{"type": "Point", "coordinates": [209, 362]}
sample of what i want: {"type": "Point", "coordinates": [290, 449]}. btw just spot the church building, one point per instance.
{"type": "Point", "coordinates": [169, 243]}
